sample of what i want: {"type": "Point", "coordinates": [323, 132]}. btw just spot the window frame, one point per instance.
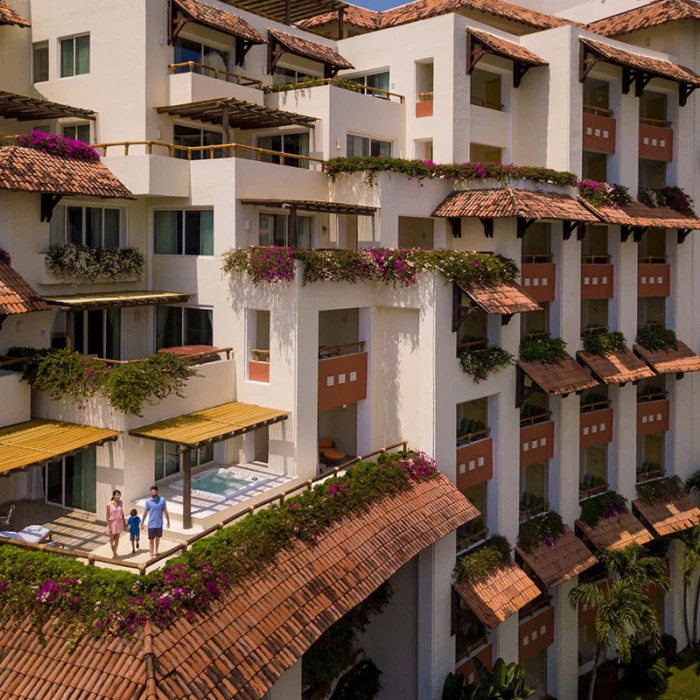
{"type": "Point", "coordinates": [123, 222]}
{"type": "Point", "coordinates": [289, 156]}
{"type": "Point", "coordinates": [285, 217]}
{"type": "Point", "coordinates": [76, 126]}
{"type": "Point", "coordinates": [182, 234]}
{"type": "Point", "coordinates": [229, 51]}
{"type": "Point", "coordinates": [41, 45]}
{"type": "Point", "coordinates": [183, 327]}
{"type": "Point", "coordinates": [371, 139]}
{"type": "Point", "coordinates": [73, 38]}
{"type": "Point", "coordinates": [72, 325]}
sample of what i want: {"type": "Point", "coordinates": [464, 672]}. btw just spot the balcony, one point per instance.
{"type": "Point", "coordinates": [655, 139]}
{"type": "Point", "coordinates": [488, 123]}
{"type": "Point", "coordinates": [596, 424]}
{"type": "Point", "coordinates": [424, 106]}
{"type": "Point", "coordinates": [653, 277]}
{"type": "Point", "coordinates": [536, 631]}
{"type": "Point", "coordinates": [342, 378]}
{"type": "Point", "coordinates": [536, 439]}
{"type": "Point", "coordinates": [474, 458]}
{"type": "Point", "coordinates": [484, 652]}
{"type": "Point", "coordinates": [653, 413]}
{"type": "Point", "coordinates": [195, 82]}
{"type": "Point", "coordinates": [597, 277]}
{"type": "Point", "coordinates": [259, 366]}
{"type": "Point", "coordinates": [599, 129]}
{"type": "Point", "coordinates": [538, 276]}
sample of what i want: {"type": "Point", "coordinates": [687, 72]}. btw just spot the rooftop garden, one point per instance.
{"type": "Point", "coordinates": [604, 343]}
{"type": "Point", "coordinates": [478, 565]}
{"type": "Point", "coordinates": [607, 505]}
{"type": "Point", "coordinates": [82, 263]}
{"type": "Point", "coordinates": [92, 600]}
{"type": "Point", "coordinates": [603, 194]}
{"type": "Point", "coordinates": [544, 349]}
{"type": "Point", "coordinates": [657, 337]}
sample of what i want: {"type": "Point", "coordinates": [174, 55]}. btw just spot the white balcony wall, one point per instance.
{"type": "Point", "coordinates": [194, 87]}
{"type": "Point", "coordinates": [15, 406]}
{"type": "Point", "coordinates": [490, 127]}
{"type": "Point", "coordinates": [150, 175]}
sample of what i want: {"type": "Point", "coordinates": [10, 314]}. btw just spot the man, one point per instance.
{"type": "Point", "coordinates": [154, 510]}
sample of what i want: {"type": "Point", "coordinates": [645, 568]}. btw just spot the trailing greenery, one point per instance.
{"type": "Point", "coordinates": [388, 265]}
{"type": "Point", "coordinates": [361, 682]}
{"type": "Point", "coordinates": [537, 531]}
{"type": "Point", "coordinates": [480, 564]}
{"type": "Point", "coordinates": [604, 194]}
{"type": "Point", "coordinates": [504, 682]}
{"type": "Point", "coordinates": [673, 197]}
{"type": "Point", "coordinates": [316, 82]}
{"type": "Point", "coordinates": [608, 504]}
{"type": "Point", "coordinates": [479, 364]}
{"type": "Point", "coordinates": [653, 491]}
{"type": "Point", "coordinates": [82, 263]}
{"type": "Point", "coordinates": [603, 343]}
{"type": "Point", "coordinates": [91, 600]}
{"type": "Point", "coordinates": [127, 387]}
{"type": "Point", "coordinates": [372, 166]}
{"type": "Point", "coordinates": [335, 650]}
{"type": "Point", "coordinates": [657, 338]}
{"type": "Point", "coordinates": [545, 350]}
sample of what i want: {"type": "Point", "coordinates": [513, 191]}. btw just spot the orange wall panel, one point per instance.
{"type": "Point", "coordinates": [539, 280]}
{"type": "Point", "coordinates": [596, 428]}
{"type": "Point", "coordinates": [653, 417]}
{"type": "Point", "coordinates": [653, 280]}
{"type": "Point", "coordinates": [536, 443]}
{"type": "Point", "coordinates": [474, 463]}
{"type": "Point", "coordinates": [598, 133]}
{"type": "Point", "coordinates": [655, 142]}
{"type": "Point", "coordinates": [597, 281]}
{"type": "Point", "coordinates": [535, 634]}
{"type": "Point", "coordinates": [259, 371]}
{"type": "Point", "coordinates": [424, 109]}
{"type": "Point", "coordinates": [342, 380]}
{"type": "Point", "coordinates": [466, 667]}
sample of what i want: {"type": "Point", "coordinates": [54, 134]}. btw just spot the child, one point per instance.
{"type": "Point", "coordinates": [134, 531]}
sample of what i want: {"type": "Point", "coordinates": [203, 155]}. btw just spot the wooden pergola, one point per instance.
{"type": "Point", "coordinates": [289, 11]}
{"type": "Point", "coordinates": [105, 300]}
{"type": "Point", "coordinates": [23, 108]}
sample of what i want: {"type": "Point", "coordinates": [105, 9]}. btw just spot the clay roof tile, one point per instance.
{"type": "Point", "coordinates": [310, 49]}
{"type": "Point", "coordinates": [16, 296]}
{"type": "Point", "coordinates": [558, 378]}
{"type": "Point", "coordinates": [616, 532]}
{"type": "Point", "coordinates": [672, 361]}
{"type": "Point", "coordinates": [646, 16]}
{"type": "Point", "coordinates": [221, 20]}
{"type": "Point", "coordinates": [617, 368]}
{"type": "Point", "coordinates": [670, 514]}
{"type": "Point", "coordinates": [10, 16]}
{"type": "Point", "coordinates": [507, 49]}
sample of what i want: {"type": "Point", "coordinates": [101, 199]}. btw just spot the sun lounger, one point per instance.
{"type": "Point", "coordinates": [34, 534]}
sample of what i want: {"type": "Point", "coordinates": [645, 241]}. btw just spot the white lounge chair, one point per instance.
{"type": "Point", "coordinates": [34, 534]}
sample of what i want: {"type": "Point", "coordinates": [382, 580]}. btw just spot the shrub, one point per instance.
{"type": "Point", "coordinates": [672, 196]}
{"type": "Point", "coordinates": [479, 364]}
{"type": "Point", "coordinates": [537, 531]}
{"type": "Point", "coordinates": [56, 145]}
{"type": "Point", "coordinates": [479, 565]}
{"type": "Point", "coordinates": [545, 350]}
{"type": "Point", "coordinates": [603, 343]}
{"type": "Point", "coordinates": [361, 682]}
{"type": "Point", "coordinates": [603, 194]}
{"type": "Point", "coordinates": [656, 338]}
{"type": "Point", "coordinates": [5, 257]}
{"type": "Point", "coordinates": [79, 262]}
{"type": "Point", "coordinates": [607, 505]}
{"type": "Point", "coordinates": [657, 490]}
{"type": "Point", "coordinates": [647, 671]}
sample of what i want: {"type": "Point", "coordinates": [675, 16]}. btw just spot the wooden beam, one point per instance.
{"type": "Point", "coordinates": [582, 228]}
{"type": "Point", "coordinates": [459, 312]}
{"type": "Point", "coordinates": [683, 234]}
{"type": "Point", "coordinates": [586, 62]}
{"type": "Point", "coordinates": [626, 79]}
{"type": "Point", "coordinates": [292, 227]}
{"type": "Point", "coordinates": [519, 70]}
{"type": "Point", "coordinates": [567, 228]}
{"type": "Point", "coordinates": [641, 80]}
{"type": "Point", "coordinates": [341, 23]}
{"type": "Point", "coordinates": [48, 204]}
{"type": "Point", "coordinates": [242, 48]}
{"type": "Point", "coordinates": [287, 12]}
{"type": "Point", "coordinates": [186, 454]}
{"type": "Point", "coordinates": [684, 92]}
{"type": "Point", "coordinates": [456, 226]}
{"type": "Point", "coordinates": [474, 54]}
{"type": "Point", "coordinates": [487, 223]}
{"type": "Point", "coordinates": [274, 53]}
{"type": "Point", "coordinates": [524, 225]}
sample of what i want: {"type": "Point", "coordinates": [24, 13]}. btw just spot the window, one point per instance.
{"type": "Point", "coordinates": [189, 136]}
{"type": "Point", "coordinates": [376, 80]}
{"type": "Point", "coordinates": [77, 132]}
{"type": "Point", "coordinates": [71, 482]}
{"type": "Point", "coordinates": [75, 56]}
{"type": "Point", "coordinates": [273, 230]}
{"type": "Point", "coordinates": [97, 333]}
{"type": "Point", "coordinates": [167, 460]}
{"type": "Point", "coordinates": [297, 144]}
{"type": "Point", "coordinates": [183, 325]}
{"type": "Point", "coordinates": [187, 50]}
{"type": "Point", "coordinates": [40, 62]}
{"type": "Point", "coordinates": [183, 231]}
{"type": "Point", "coordinates": [96, 227]}
{"type": "Point", "coordinates": [366, 146]}
{"type": "Point", "coordinates": [288, 76]}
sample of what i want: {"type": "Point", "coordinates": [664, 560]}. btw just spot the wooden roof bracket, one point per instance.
{"type": "Point", "coordinates": [487, 223]}
{"type": "Point", "coordinates": [242, 48]}
{"type": "Point", "coordinates": [2, 320]}
{"type": "Point", "coordinates": [586, 62]}
{"type": "Point", "coordinates": [568, 227]}
{"type": "Point", "coordinates": [679, 375]}
{"type": "Point", "coordinates": [475, 52]}
{"type": "Point", "coordinates": [175, 25]}
{"type": "Point", "coordinates": [684, 92]}
{"type": "Point", "coordinates": [330, 71]}
{"type": "Point", "coordinates": [505, 319]}
{"type": "Point", "coordinates": [456, 226]}
{"type": "Point", "coordinates": [524, 225]}
{"type": "Point", "coordinates": [274, 53]}
{"type": "Point", "coordinates": [683, 234]}
{"type": "Point", "coordinates": [627, 78]}
{"type": "Point", "coordinates": [636, 231]}
{"type": "Point", "coordinates": [459, 312]}
{"type": "Point", "coordinates": [582, 228]}
{"type": "Point", "coordinates": [48, 203]}
{"type": "Point", "coordinates": [519, 70]}
{"type": "Point", "coordinates": [341, 23]}
{"type": "Point", "coordinates": [641, 80]}
{"type": "Point", "coordinates": [522, 392]}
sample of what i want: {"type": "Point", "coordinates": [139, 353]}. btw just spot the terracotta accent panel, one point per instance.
{"type": "Point", "coordinates": [596, 428]}
{"type": "Point", "coordinates": [655, 142]}
{"type": "Point", "coordinates": [539, 280]}
{"type": "Point", "coordinates": [424, 109]}
{"type": "Point", "coordinates": [597, 281]}
{"type": "Point", "coordinates": [466, 667]}
{"type": "Point", "coordinates": [653, 280]}
{"type": "Point", "coordinates": [598, 133]}
{"type": "Point", "coordinates": [474, 463]}
{"type": "Point", "coordinates": [259, 371]}
{"type": "Point", "coordinates": [536, 443]}
{"type": "Point", "coordinates": [653, 417]}
{"type": "Point", "coordinates": [535, 634]}
{"type": "Point", "coordinates": [342, 380]}
{"type": "Point", "coordinates": [586, 614]}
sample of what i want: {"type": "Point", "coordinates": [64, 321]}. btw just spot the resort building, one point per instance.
{"type": "Point", "coordinates": [234, 330]}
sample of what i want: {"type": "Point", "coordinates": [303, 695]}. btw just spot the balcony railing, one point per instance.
{"type": "Point", "coordinates": [597, 277]}
{"type": "Point", "coordinates": [226, 150]}
{"type": "Point", "coordinates": [424, 106]}
{"type": "Point", "coordinates": [653, 277]}
{"type": "Point", "coordinates": [529, 511]}
{"type": "Point", "coordinates": [218, 73]}
{"type": "Point", "coordinates": [468, 540]}
{"type": "Point", "coordinates": [650, 472]}
{"type": "Point", "coordinates": [343, 83]}
{"type": "Point", "coordinates": [655, 139]}
{"type": "Point", "coordinates": [487, 104]}
{"type": "Point", "coordinates": [476, 344]}
{"type": "Point", "coordinates": [585, 492]}
{"type": "Point", "coordinates": [194, 358]}
{"type": "Point", "coordinates": [599, 111]}
{"type": "Point", "coordinates": [538, 276]}
{"type": "Point", "coordinates": [599, 129]}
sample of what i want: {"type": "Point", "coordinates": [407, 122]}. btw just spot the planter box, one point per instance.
{"type": "Point", "coordinates": [596, 428]}
{"type": "Point", "coordinates": [536, 443]}
{"type": "Point", "coordinates": [598, 133]}
{"type": "Point", "coordinates": [466, 666]}
{"type": "Point", "coordinates": [539, 280]}
{"type": "Point", "coordinates": [342, 380]}
{"type": "Point", "coordinates": [259, 371]}
{"type": "Point", "coordinates": [45, 276]}
{"type": "Point", "coordinates": [653, 280]}
{"type": "Point", "coordinates": [474, 463]}
{"type": "Point", "coordinates": [655, 142]}
{"type": "Point", "coordinates": [424, 109]}
{"type": "Point", "coordinates": [597, 281]}
{"type": "Point", "coordinates": [653, 417]}
{"type": "Point", "coordinates": [535, 634]}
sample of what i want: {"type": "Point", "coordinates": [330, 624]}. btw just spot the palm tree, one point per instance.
{"type": "Point", "coordinates": [624, 614]}
{"type": "Point", "coordinates": [689, 565]}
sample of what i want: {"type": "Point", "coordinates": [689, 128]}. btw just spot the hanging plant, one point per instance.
{"type": "Point", "coordinates": [657, 337]}
{"type": "Point", "coordinates": [606, 505]}
{"type": "Point", "coordinates": [661, 489]}
{"type": "Point", "coordinates": [542, 530]}
{"type": "Point", "coordinates": [546, 350]}
{"type": "Point", "coordinates": [604, 343]}
{"type": "Point", "coordinates": [480, 364]}
{"type": "Point", "coordinates": [479, 565]}
{"type": "Point", "coordinates": [73, 262]}
{"type": "Point", "coordinates": [603, 194]}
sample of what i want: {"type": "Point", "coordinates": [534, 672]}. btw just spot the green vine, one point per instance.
{"type": "Point", "coordinates": [603, 343]}
{"type": "Point", "coordinates": [657, 337]}
{"type": "Point", "coordinates": [479, 364]}
{"type": "Point", "coordinates": [479, 565]}
{"type": "Point", "coordinates": [315, 82]}
{"type": "Point", "coordinates": [653, 491]}
{"type": "Point", "coordinates": [608, 504]}
{"type": "Point", "coordinates": [537, 531]}
{"type": "Point", "coordinates": [546, 350]}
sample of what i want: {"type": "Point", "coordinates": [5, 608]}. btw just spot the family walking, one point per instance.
{"type": "Point", "coordinates": [154, 511]}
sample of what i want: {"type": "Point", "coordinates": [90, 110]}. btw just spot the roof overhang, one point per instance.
{"type": "Point", "coordinates": [288, 11]}
{"type": "Point", "coordinates": [503, 299]}
{"type": "Point", "coordinates": [617, 368]}
{"type": "Point", "coordinates": [105, 300]}
{"type": "Point", "coordinates": [280, 43]}
{"type": "Point", "coordinates": [676, 360]}
{"type": "Point", "coordinates": [313, 206]}
{"type": "Point", "coordinates": [558, 378]}
{"type": "Point", "coordinates": [23, 108]}
{"type": "Point", "coordinates": [669, 514]}
{"type": "Point", "coordinates": [16, 296]}
{"type": "Point", "coordinates": [615, 532]}
{"type": "Point", "coordinates": [9, 16]}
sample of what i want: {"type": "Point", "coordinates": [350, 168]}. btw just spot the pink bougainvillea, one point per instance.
{"type": "Point", "coordinates": [56, 145]}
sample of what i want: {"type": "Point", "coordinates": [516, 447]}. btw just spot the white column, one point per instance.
{"type": "Point", "coordinates": [506, 637]}
{"type": "Point", "coordinates": [288, 687]}
{"type": "Point", "coordinates": [562, 656]}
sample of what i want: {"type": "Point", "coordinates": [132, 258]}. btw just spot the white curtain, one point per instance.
{"type": "Point", "coordinates": [36, 484]}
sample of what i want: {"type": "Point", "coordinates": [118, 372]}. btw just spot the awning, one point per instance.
{"type": "Point", "coordinates": [618, 368]}
{"type": "Point", "coordinates": [281, 43]}
{"type": "Point", "coordinates": [289, 11]}
{"type": "Point", "coordinates": [498, 596]}
{"type": "Point", "coordinates": [211, 425]}
{"type": "Point", "coordinates": [241, 114]}
{"type": "Point", "coordinates": [314, 206]}
{"type": "Point", "coordinates": [481, 43]}
{"type": "Point", "coordinates": [104, 300]}
{"type": "Point", "coordinates": [38, 441]}
{"type": "Point", "coordinates": [505, 299]}
{"type": "Point", "coordinates": [558, 378]}
{"type": "Point", "coordinates": [214, 18]}
{"type": "Point", "coordinates": [10, 16]}
{"type": "Point", "coordinates": [669, 514]}
{"type": "Point", "coordinates": [16, 296]}
{"type": "Point", "coordinates": [615, 532]}
{"type": "Point", "coordinates": [23, 108]}
{"type": "Point", "coordinates": [647, 16]}
{"type": "Point", "coordinates": [261, 626]}
{"type": "Point", "coordinates": [555, 564]}
{"type": "Point", "coordinates": [672, 361]}
{"type": "Point", "coordinates": [640, 216]}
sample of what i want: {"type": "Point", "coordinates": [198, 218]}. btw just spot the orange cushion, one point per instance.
{"type": "Point", "coordinates": [325, 444]}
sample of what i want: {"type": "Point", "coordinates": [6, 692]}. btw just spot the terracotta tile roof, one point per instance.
{"type": "Point", "coordinates": [16, 296]}
{"type": "Point", "coordinates": [672, 361]}
{"type": "Point", "coordinates": [499, 596]}
{"type": "Point", "coordinates": [646, 16]}
{"type": "Point", "coordinates": [507, 202]}
{"type": "Point", "coordinates": [618, 368]}
{"type": "Point", "coordinates": [616, 532]}
{"type": "Point", "coordinates": [559, 378]}
{"type": "Point", "coordinates": [670, 514]}
{"type": "Point", "coordinates": [507, 49]}
{"type": "Point", "coordinates": [501, 299]}
{"type": "Point", "coordinates": [638, 214]}
{"type": "Point", "coordinates": [566, 558]}
{"type": "Point", "coordinates": [27, 170]}
{"type": "Point", "coordinates": [242, 645]}
{"type": "Point", "coordinates": [310, 49]}
{"type": "Point", "coordinates": [656, 66]}
{"type": "Point", "coordinates": [220, 20]}
{"type": "Point", "coordinates": [354, 15]}
{"type": "Point", "coordinates": [10, 16]}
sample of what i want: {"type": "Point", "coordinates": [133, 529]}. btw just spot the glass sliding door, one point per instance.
{"type": "Point", "coordinates": [72, 481]}
{"type": "Point", "coordinates": [97, 332]}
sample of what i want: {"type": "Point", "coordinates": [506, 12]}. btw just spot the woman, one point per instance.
{"type": "Point", "coordinates": [116, 522]}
